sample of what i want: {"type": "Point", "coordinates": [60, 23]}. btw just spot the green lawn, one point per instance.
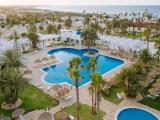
{"type": "Point", "coordinates": [151, 103]}
{"type": "Point", "coordinates": [134, 35]}
{"type": "Point", "coordinates": [112, 96]}
{"type": "Point", "coordinates": [85, 112]}
{"type": "Point", "coordinates": [32, 99]}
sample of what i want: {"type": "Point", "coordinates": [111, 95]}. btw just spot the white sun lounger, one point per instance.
{"type": "Point", "coordinates": [119, 96]}
{"type": "Point", "coordinates": [21, 117]}
{"type": "Point", "coordinates": [68, 98]}
{"type": "Point", "coordinates": [71, 117]}
{"type": "Point", "coordinates": [41, 88]}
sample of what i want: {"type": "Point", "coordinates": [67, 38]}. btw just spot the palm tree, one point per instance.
{"type": "Point", "coordinates": [92, 92]}
{"type": "Point", "coordinates": [33, 28]}
{"type": "Point", "coordinates": [50, 28]}
{"type": "Point", "coordinates": [68, 23]}
{"type": "Point", "coordinates": [131, 78]}
{"type": "Point", "coordinates": [157, 45]}
{"type": "Point", "coordinates": [92, 64]}
{"type": "Point", "coordinates": [92, 67]}
{"type": "Point", "coordinates": [74, 73]}
{"type": "Point", "coordinates": [11, 83]}
{"type": "Point", "coordinates": [59, 26]}
{"type": "Point", "coordinates": [123, 26]}
{"type": "Point", "coordinates": [108, 27]}
{"type": "Point", "coordinates": [115, 23]}
{"type": "Point", "coordinates": [15, 40]}
{"type": "Point", "coordinates": [145, 55]}
{"type": "Point", "coordinates": [89, 35]}
{"type": "Point", "coordinates": [11, 58]}
{"type": "Point", "coordinates": [33, 37]}
{"type": "Point", "coordinates": [86, 20]}
{"type": "Point", "coordinates": [147, 33]}
{"type": "Point", "coordinates": [99, 84]}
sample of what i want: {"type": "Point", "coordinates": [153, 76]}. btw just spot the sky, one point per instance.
{"type": "Point", "coordinates": [79, 2]}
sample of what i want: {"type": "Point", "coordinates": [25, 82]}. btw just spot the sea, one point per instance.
{"type": "Point", "coordinates": [103, 9]}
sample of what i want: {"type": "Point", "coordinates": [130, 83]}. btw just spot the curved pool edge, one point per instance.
{"type": "Point", "coordinates": [72, 48]}
{"type": "Point", "coordinates": [103, 75]}
{"type": "Point", "coordinates": [136, 107]}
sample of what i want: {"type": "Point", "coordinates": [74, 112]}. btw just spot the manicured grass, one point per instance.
{"type": "Point", "coordinates": [32, 99]}
{"type": "Point", "coordinates": [151, 103]}
{"type": "Point", "coordinates": [112, 96]}
{"type": "Point", "coordinates": [85, 112]}
{"type": "Point", "coordinates": [135, 35]}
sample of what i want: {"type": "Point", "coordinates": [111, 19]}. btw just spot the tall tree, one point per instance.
{"type": "Point", "coordinates": [157, 45]}
{"type": "Point", "coordinates": [50, 28]}
{"type": "Point", "coordinates": [86, 20]}
{"type": "Point", "coordinates": [11, 83]}
{"type": "Point", "coordinates": [11, 58]}
{"type": "Point", "coordinates": [99, 84]}
{"type": "Point", "coordinates": [74, 73]}
{"type": "Point", "coordinates": [92, 67]}
{"type": "Point", "coordinates": [145, 55]}
{"type": "Point", "coordinates": [68, 23]}
{"type": "Point", "coordinates": [89, 36]}
{"type": "Point", "coordinates": [131, 78]}
{"type": "Point", "coordinates": [33, 37]}
{"type": "Point", "coordinates": [15, 40]}
{"type": "Point", "coordinates": [147, 33]}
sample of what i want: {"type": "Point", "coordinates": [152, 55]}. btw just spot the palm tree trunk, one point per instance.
{"type": "Point", "coordinates": [95, 102]}
{"type": "Point", "coordinates": [147, 44]}
{"type": "Point", "coordinates": [98, 105]}
{"type": "Point", "coordinates": [78, 104]}
{"type": "Point", "coordinates": [92, 101]}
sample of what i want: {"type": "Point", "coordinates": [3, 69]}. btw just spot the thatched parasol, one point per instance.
{"type": "Point", "coordinates": [152, 73]}
{"type": "Point", "coordinates": [45, 59]}
{"type": "Point", "coordinates": [61, 115]}
{"type": "Point", "coordinates": [46, 116]}
{"type": "Point", "coordinates": [152, 91]}
{"type": "Point", "coordinates": [37, 61]}
{"type": "Point", "coordinates": [27, 72]}
{"type": "Point", "coordinates": [156, 85]}
{"type": "Point", "coordinates": [65, 90]}
{"type": "Point", "coordinates": [16, 113]}
{"type": "Point", "coordinates": [56, 87]}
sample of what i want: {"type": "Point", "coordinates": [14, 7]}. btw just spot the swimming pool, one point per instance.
{"type": "Point", "coordinates": [135, 114]}
{"type": "Point", "coordinates": [57, 74]}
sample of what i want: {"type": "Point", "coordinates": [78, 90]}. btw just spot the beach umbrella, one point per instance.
{"type": "Point", "coordinates": [37, 61]}
{"type": "Point", "coordinates": [27, 72]}
{"type": "Point", "coordinates": [152, 91]}
{"type": "Point", "coordinates": [45, 116]}
{"type": "Point", "coordinates": [16, 113]}
{"type": "Point", "coordinates": [45, 59]}
{"type": "Point", "coordinates": [61, 115]}
{"type": "Point", "coordinates": [152, 73]}
{"type": "Point", "coordinates": [156, 85]}
{"type": "Point", "coordinates": [56, 87]}
{"type": "Point", "coordinates": [5, 118]}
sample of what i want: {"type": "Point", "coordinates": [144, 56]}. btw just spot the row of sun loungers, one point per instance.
{"type": "Point", "coordinates": [42, 64]}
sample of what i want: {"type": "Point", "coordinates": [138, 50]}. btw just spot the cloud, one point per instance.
{"type": "Point", "coordinates": [79, 2]}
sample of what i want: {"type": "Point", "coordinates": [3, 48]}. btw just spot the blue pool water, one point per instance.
{"type": "Point", "coordinates": [58, 73]}
{"type": "Point", "coordinates": [135, 114]}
